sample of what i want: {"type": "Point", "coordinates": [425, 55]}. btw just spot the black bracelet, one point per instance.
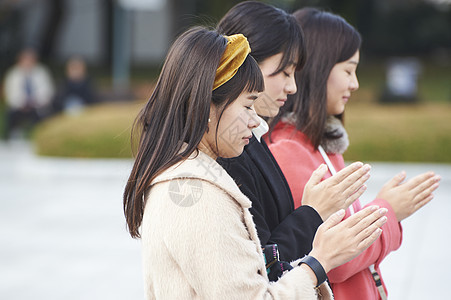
{"type": "Point", "coordinates": [317, 268]}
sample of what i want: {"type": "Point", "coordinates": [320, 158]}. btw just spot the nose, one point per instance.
{"type": "Point", "coordinates": [354, 84]}
{"type": "Point", "coordinates": [254, 120]}
{"type": "Point", "coordinates": [290, 87]}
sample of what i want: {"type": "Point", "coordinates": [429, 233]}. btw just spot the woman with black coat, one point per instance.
{"type": "Point", "coordinates": [276, 43]}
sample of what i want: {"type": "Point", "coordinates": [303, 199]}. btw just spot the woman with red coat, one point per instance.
{"type": "Point", "coordinates": [309, 132]}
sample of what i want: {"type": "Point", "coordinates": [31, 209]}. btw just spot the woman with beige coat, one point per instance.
{"type": "Point", "coordinates": [198, 237]}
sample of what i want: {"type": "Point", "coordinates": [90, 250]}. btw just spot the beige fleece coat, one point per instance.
{"type": "Point", "coordinates": [199, 240]}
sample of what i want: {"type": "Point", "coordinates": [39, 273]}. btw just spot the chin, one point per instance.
{"type": "Point", "coordinates": [272, 114]}
{"type": "Point", "coordinates": [239, 151]}
{"type": "Point", "coordinates": [268, 112]}
{"type": "Point", "coordinates": [339, 111]}
{"type": "Point", "coordinates": [233, 154]}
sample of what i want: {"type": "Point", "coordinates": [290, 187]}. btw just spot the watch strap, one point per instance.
{"type": "Point", "coordinates": [317, 268]}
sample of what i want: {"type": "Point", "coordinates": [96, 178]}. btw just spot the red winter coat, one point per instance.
{"type": "Point", "coordinates": [298, 159]}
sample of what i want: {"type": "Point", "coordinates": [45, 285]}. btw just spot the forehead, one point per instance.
{"type": "Point", "coordinates": [278, 62]}
{"type": "Point", "coordinates": [273, 59]}
{"type": "Point", "coordinates": [354, 59]}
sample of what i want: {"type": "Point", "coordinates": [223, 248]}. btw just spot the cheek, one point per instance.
{"type": "Point", "coordinates": [334, 89]}
{"type": "Point", "coordinates": [242, 120]}
{"type": "Point", "coordinates": [331, 84]}
{"type": "Point", "coordinates": [332, 94]}
{"type": "Point", "coordinates": [273, 86]}
{"type": "Point", "coordinates": [337, 84]}
{"type": "Point", "coordinates": [232, 123]}
{"type": "Point", "coordinates": [232, 129]}
{"type": "Point", "coordinates": [329, 91]}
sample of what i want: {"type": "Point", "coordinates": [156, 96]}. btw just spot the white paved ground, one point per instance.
{"type": "Point", "coordinates": [62, 231]}
{"type": "Point", "coordinates": [420, 268]}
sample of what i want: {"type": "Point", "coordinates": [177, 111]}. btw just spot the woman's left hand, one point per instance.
{"type": "Point", "coordinates": [407, 197]}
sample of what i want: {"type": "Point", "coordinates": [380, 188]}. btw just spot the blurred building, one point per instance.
{"type": "Point", "coordinates": [59, 29]}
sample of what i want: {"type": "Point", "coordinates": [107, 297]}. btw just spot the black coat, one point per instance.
{"type": "Point", "coordinates": [259, 177]}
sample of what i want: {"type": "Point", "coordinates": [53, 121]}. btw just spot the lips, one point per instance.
{"type": "Point", "coordinates": [281, 101]}
{"type": "Point", "coordinates": [247, 138]}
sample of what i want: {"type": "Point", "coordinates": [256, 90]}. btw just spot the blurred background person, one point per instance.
{"type": "Point", "coordinates": [29, 89]}
{"type": "Point", "coordinates": [76, 89]}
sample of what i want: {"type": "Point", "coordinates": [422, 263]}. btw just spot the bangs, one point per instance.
{"type": "Point", "coordinates": [294, 51]}
{"type": "Point", "coordinates": [352, 43]}
{"type": "Point", "coordinates": [251, 76]}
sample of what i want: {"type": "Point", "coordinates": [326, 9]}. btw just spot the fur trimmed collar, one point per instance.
{"type": "Point", "coordinates": [335, 146]}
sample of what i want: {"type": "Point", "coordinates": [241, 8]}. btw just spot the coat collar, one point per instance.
{"type": "Point", "coordinates": [263, 159]}
{"type": "Point", "coordinates": [335, 145]}
{"type": "Point", "coordinates": [201, 166]}
{"type": "Point", "coordinates": [261, 130]}
{"type": "Point", "coordinates": [333, 125]}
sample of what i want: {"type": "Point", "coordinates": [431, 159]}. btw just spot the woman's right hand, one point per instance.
{"type": "Point", "coordinates": [337, 242]}
{"type": "Point", "coordinates": [337, 192]}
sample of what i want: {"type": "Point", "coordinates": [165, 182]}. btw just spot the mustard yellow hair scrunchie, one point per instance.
{"type": "Point", "coordinates": [236, 51]}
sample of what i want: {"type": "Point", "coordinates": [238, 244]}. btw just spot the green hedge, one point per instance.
{"type": "Point", "coordinates": [99, 131]}
{"type": "Point", "coordinates": [415, 133]}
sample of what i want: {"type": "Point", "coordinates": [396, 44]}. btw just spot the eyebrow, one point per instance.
{"type": "Point", "coordinates": [252, 97]}
{"type": "Point", "coordinates": [354, 62]}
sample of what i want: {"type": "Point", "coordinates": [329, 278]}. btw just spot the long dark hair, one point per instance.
{"type": "Point", "coordinates": [269, 30]}
{"type": "Point", "coordinates": [178, 110]}
{"type": "Point", "coordinates": [329, 40]}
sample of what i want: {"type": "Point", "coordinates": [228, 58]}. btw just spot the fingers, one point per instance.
{"type": "Point", "coordinates": [396, 180]}
{"type": "Point", "coordinates": [424, 197]}
{"type": "Point", "coordinates": [333, 220]}
{"type": "Point", "coordinates": [419, 179]}
{"type": "Point", "coordinates": [353, 220]}
{"type": "Point", "coordinates": [429, 185]}
{"type": "Point", "coordinates": [345, 172]}
{"type": "Point", "coordinates": [426, 192]}
{"type": "Point", "coordinates": [355, 196]}
{"type": "Point", "coordinates": [370, 227]}
{"type": "Point", "coordinates": [365, 243]}
{"type": "Point", "coordinates": [364, 226]}
{"type": "Point", "coordinates": [356, 180]}
{"type": "Point", "coordinates": [423, 202]}
{"type": "Point", "coordinates": [317, 175]}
